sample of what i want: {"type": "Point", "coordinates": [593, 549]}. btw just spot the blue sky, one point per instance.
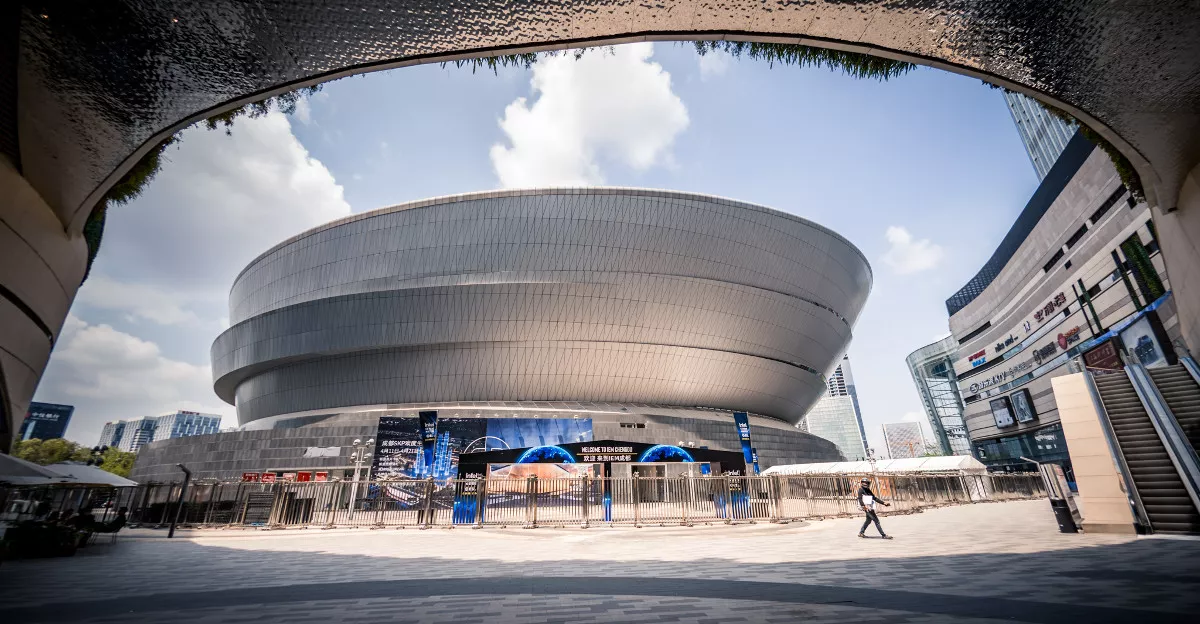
{"type": "Point", "coordinates": [924, 173]}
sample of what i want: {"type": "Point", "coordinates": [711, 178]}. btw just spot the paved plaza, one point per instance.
{"type": "Point", "coordinates": [984, 562]}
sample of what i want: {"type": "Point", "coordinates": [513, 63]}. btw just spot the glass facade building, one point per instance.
{"type": "Point", "coordinates": [932, 369]}
{"type": "Point", "coordinates": [1044, 135]}
{"type": "Point", "coordinates": [836, 417]}
{"type": "Point", "coordinates": [131, 435]}
{"type": "Point", "coordinates": [904, 440]}
{"type": "Point", "coordinates": [182, 424]}
{"type": "Point", "coordinates": [833, 418]}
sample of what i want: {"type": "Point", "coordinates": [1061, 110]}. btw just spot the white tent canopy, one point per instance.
{"type": "Point", "coordinates": [81, 474]}
{"type": "Point", "coordinates": [16, 471]}
{"type": "Point", "coordinates": [953, 464]}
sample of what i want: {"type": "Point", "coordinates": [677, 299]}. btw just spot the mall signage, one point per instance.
{"type": "Point", "coordinates": [1069, 337]}
{"type": "Point", "coordinates": [596, 454]}
{"type": "Point", "coordinates": [1041, 355]}
{"type": "Point", "coordinates": [268, 477]}
{"type": "Point", "coordinates": [1004, 344]}
{"type": "Point", "coordinates": [1048, 310]}
{"type": "Point", "coordinates": [978, 358]}
{"type": "Point", "coordinates": [250, 477]}
{"type": "Point", "coordinates": [1001, 377]}
{"type": "Point", "coordinates": [320, 477]}
{"type": "Point", "coordinates": [303, 477]}
{"type": "Point", "coordinates": [1103, 357]}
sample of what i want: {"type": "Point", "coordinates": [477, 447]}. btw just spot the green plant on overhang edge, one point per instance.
{"type": "Point", "coordinates": [131, 185]}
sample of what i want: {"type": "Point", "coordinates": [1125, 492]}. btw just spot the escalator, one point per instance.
{"type": "Point", "coordinates": [1164, 496]}
{"type": "Point", "coordinates": [1182, 395]}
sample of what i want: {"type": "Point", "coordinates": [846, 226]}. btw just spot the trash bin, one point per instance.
{"type": "Point", "coordinates": [1062, 513]}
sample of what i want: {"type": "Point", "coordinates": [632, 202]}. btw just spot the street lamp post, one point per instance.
{"type": "Point", "coordinates": [359, 454]}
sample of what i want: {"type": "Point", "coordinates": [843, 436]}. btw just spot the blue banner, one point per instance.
{"type": "Point", "coordinates": [743, 427]}
{"type": "Point", "coordinates": [429, 436]}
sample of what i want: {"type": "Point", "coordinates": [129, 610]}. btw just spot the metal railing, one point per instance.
{"type": "Point", "coordinates": [533, 502]}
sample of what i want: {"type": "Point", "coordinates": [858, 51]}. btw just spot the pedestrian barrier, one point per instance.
{"type": "Point", "coordinates": [533, 502]}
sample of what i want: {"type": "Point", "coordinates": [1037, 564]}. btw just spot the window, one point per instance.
{"type": "Point", "coordinates": [1053, 260]}
{"type": "Point", "coordinates": [976, 332]}
{"type": "Point", "coordinates": [1077, 235]}
{"type": "Point", "coordinates": [1093, 291]}
{"type": "Point", "coordinates": [1108, 204]}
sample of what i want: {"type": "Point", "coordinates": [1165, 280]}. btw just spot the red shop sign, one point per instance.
{"type": "Point", "coordinates": [321, 476]}
{"type": "Point", "coordinates": [250, 476]}
{"type": "Point", "coordinates": [304, 476]}
{"type": "Point", "coordinates": [268, 477]}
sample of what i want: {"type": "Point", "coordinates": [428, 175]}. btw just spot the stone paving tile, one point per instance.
{"type": "Point", "coordinates": [1007, 551]}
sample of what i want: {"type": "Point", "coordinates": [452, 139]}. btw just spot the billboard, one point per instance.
{"type": "Point", "coordinates": [1022, 405]}
{"type": "Point", "coordinates": [1002, 411]}
{"type": "Point", "coordinates": [429, 446]}
{"type": "Point", "coordinates": [46, 421]}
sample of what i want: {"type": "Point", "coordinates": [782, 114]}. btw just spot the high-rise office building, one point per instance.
{"type": "Point", "coordinates": [137, 432]}
{"type": "Point", "coordinates": [904, 440]}
{"type": "Point", "coordinates": [111, 434]}
{"type": "Point", "coordinates": [841, 383]}
{"type": "Point", "coordinates": [131, 435]}
{"type": "Point", "coordinates": [182, 424]}
{"type": "Point", "coordinates": [836, 417]}
{"type": "Point", "coordinates": [932, 368]}
{"type": "Point", "coordinates": [45, 421]}
{"type": "Point", "coordinates": [1044, 135]}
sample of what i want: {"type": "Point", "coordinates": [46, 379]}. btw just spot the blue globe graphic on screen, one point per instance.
{"type": "Point", "coordinates": [665, 453]}
{"type": "Point", "coordinates": [546, 454]}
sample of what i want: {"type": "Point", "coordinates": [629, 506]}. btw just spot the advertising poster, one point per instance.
{"type": "Point", "coordinates": [1022, 406]}
{"type": "Point", "coordinates": [1142, 343]}
{"type": "Point", "coordinates": [1002, 412]}
{"type": "Point", "coordinates": [454, 435]}
{"type": "Point", "coordinates": [398, 452]}
{"type": "Point", "coordinates": [531, 432]}
{"type": "Point", "coordinates": [428, 438]}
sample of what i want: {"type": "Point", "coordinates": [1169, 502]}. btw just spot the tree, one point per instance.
{"type": "Point", "coordinates": [117, 461]}
{"type": "Point", "coordinates": [52, 451]}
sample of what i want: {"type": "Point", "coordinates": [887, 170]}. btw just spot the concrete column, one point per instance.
{"type": "Point", "coordinates": [1103, 500]}
{"type": "Point", "coordinates": [41, 268]}
{"type": "Point", "coordinates": [1179, 238]}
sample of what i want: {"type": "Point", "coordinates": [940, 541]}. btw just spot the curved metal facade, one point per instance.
{"type": "Point", "coordinates": [609, 295]}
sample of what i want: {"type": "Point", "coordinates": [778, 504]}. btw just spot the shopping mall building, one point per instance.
{"type": "Point", "coordinates": [1077, 279]}
{"type": "Point", "coordinates": [525, 319]}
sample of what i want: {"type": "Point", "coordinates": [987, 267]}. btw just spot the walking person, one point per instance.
{"type": "Point", "coordinates": [866, 501]}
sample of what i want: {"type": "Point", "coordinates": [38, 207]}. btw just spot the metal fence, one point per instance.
{"type": "Point", "coordinates": [534, 502]}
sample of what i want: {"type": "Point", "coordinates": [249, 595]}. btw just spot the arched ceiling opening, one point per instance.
{"type": "Point", "coordinates": [102, 83]}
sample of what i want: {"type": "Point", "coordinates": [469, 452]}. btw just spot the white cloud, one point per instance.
{"type": "Point", "coordinates": [140, 301]}
{"type": "Point", "coordinates": [907, 255]}
{"type": "Point", "coordinates": [110, 375]}
{"type": "Point", "coordinates": [606, 105]}
{"type": "Point", "coordinates": [218, 202]}
{"type": "Point", "coordinates": [170, 257]}
{"type": "Point", "coordinates": [714, 63]}
{"type": "Point", "coordinates": [303, 112]}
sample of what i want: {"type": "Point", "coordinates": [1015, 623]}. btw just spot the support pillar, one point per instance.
{"type": "Point", "coordinates": [41, 268]}
{"type": "Point", "coordinates": [1179, 238]}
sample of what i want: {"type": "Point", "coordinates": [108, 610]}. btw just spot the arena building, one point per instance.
{"type": "Point", "coordinates": [528, 318]}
